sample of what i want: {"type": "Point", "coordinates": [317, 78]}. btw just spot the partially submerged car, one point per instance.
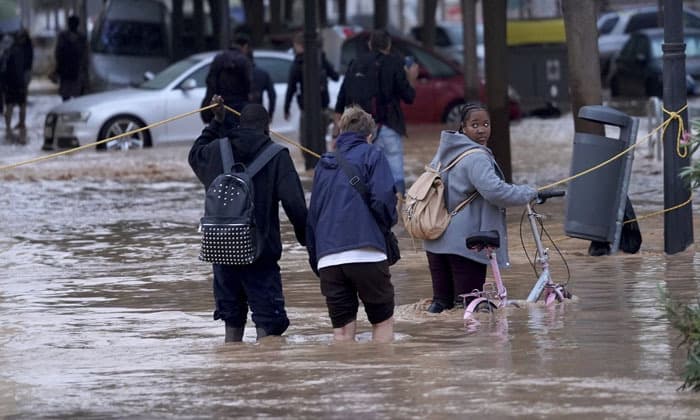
{"type": "Point", "coordinates": [176, 90]}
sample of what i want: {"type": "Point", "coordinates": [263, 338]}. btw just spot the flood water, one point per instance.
{"type": "Point", "coordinates": [106, 312]}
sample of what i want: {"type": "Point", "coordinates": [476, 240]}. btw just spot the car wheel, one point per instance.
{"type": "Point", "coordinates": [120, 125]}
{"type": "Point", "coordinates": [452, 114]}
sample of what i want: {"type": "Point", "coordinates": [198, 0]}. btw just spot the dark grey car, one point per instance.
{"type": "Point", "coordinates": [638, 69]}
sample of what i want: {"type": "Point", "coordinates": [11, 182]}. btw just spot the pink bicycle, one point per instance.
{"type": "Point", "coordinates": [491, 298]}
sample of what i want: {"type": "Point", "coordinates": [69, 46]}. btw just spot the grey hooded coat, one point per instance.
{"type": "Point", "coordinates": [475, 172]}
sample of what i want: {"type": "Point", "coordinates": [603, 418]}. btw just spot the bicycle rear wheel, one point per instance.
{"type": "Point", "coordinates": [485, 307]}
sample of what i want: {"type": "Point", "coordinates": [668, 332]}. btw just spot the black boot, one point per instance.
{"type": "Point", "coordinates": [438, 306]}
{"type": "Point", "coordinates": [233, 334]}
{"type": "Point", "coordinates": [261, 332]}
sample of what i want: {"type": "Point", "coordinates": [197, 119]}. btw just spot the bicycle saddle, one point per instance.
{"type": "Point", "coordinates": [481, 240]}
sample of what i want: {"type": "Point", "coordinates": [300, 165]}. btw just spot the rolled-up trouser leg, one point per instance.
{"type": "Point", "coordinates": [263, 286]}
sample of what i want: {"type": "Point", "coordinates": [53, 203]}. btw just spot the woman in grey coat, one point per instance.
{"type": "Point", "coordinates": [455, 269]}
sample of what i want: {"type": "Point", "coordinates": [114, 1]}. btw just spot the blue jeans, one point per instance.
{"type": "Point", "coordinates": [392, 144]}
{"type": "Point", "coordinates": [258, 285]}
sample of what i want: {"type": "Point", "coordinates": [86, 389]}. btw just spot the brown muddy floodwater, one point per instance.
{"type": "Point", "coordinates": [106, 311]}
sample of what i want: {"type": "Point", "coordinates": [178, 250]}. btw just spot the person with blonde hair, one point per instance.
{"type": "Point", "coordinates": [346, 228]}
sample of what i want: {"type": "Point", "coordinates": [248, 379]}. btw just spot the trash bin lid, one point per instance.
{"type": "Point", "coordinates": [604, 115]}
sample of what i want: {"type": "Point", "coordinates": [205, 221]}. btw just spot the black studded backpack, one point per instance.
{"type": "Point", "coordinates": [229, 230]}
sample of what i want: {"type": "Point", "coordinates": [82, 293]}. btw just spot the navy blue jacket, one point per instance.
{"type": "Point", "coordinates": [276, 182]}
{"type": "Point", "coordinates": [339, 218]}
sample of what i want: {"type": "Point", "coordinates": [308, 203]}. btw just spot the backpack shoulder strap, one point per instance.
{"type": "Point", "coordinates": [227, 158]}
{"type": "Point", "coordinates": [458, 158]}
{"type": "Point", "coordinates": [471, 196]}
{"type": "Point", "coordinates": [261, 160]}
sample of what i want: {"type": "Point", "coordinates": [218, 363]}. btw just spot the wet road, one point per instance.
{"type": "Point", "coordinates": [106, 311]}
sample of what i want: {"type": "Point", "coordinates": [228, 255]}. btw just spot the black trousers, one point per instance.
{"type": "Point", "coordinates": [258, 285]}
{"type": "Point", "coordinates": [453, 275]}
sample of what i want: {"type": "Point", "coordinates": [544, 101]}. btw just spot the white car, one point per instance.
{"type": "Point", "coordinates": [176, 90]}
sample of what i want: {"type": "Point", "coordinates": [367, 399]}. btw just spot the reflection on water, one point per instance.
{"type": "Point", "coordinates": [106, 312]}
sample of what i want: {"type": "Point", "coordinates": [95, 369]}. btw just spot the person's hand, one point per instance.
{"type": "Point", "coordinates": [219, 111]}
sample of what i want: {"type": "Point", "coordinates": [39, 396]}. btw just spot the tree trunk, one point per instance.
{"type": "Point", "coordinates": [381, 14]}
{"type": "Point", "coordinates": [220, 23]}
{"type": "Point", "coordinates": [255, 17]}
{"type": "Point", "coordinates": [471, 62]}
{"type": "Point", "coordinates": [199, 25]}
{"type": "Point", "coordinates": [178, 29]}
{"type": "Point", "coordinates": [428, 35]}
{"type": "Point", "coordinates": [322, 14]}
{"type": "Point", "coordinates": [288, 10]}
{"type": "Point", "coordinates": [311, 136]}
{"type": "Point", "coordinates": [584, 66]}
{"type": "Point", "coordinates": [275, 16]}
{"type": "Point", "coordinates": [342, 12]}
{"type": "Point", "coordinates": [497, 83]}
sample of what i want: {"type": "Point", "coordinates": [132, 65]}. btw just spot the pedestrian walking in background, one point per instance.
{"type": "Point", "coordinates": [231, 77]}
{"type": "Point", "coordinates": [17, 75]}
{"type": "Point", "coordinates": [5, 44]}
{"type": "Point", "coordinates": [262, 82]}
{"type": "Point", "coordinates": [454, 269]}
{"type": "Point", "coordinates": [295, 83]}
{"type": "Point", "coordinates": [346, 229]}
{"type": "Point", "coordinates": [378, 81]}
{"type": "Point", "coordinates": [259, 284]}
{"type": "Point", "coordinates": [71, 55]}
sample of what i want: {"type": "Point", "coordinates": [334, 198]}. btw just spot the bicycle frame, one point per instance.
{"type": "Point", "coordinates": [552, 291]}
{"type": "Point", "coordinates": [498, 298]}
{"type": "Point", "coordinates": [500, 295]}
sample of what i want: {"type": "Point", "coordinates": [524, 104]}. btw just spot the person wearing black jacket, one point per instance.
{"type": "Point", "coordinates": [295, 83]}
{"type": "Point", "coordinates": [396, 84]}
{"type": "Point", "coordinates": [259, 284]}
{"type": "Point", "coordinates": [231, 77]}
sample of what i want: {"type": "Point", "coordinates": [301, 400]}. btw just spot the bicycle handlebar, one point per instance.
{"type": "Point", "coordinates": [542, 196]}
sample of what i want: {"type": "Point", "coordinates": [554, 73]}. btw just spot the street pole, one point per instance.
{"type": "Point", "coordinates": [311, 118]}
{"type": "Point", "coordinates": [678, 224]}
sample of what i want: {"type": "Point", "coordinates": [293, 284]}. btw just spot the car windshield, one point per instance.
{"type": "Point", "coordinates": [692, 46]}
{"type": "Point", "coordinates": [172, 72]}
{"type": "Point", "coordinates": [606, 24]}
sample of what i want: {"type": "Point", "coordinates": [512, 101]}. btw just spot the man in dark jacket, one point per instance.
{"type": "Point", "coordinates": [345, 231]}
{"type": "Point", "coordinates": [395, 85]}
{"type": "Point", "coordinates": [295, 83]}
{"type": "Point", "coordinates": [16, 77]}
{"type": "Point", "coordinates": [71, 56]}
{"type": "Point", "coordinates": [231, 77]}
{"type": "Point", "coordinates": [257, 285]}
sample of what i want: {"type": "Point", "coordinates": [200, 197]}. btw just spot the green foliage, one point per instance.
{"type": "Point", "coordinates": [692, 173]}
{"type": "Point", "coordinates": [686, 319]}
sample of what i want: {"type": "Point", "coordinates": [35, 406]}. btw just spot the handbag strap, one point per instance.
{"type": "Point", "coordinates": [357, 182]}
{"type": "Point", "coordinates": [353, 174]}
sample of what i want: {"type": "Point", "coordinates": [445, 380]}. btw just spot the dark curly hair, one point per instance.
{"type": "Point", "coordinates": [466, 109]}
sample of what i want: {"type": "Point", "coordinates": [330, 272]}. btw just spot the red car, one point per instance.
{"type": "Point", "coordinates": [440, 87]}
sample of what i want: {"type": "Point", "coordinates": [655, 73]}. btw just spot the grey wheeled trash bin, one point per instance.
{"type": "Point", "coordinates": [596, 201]}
